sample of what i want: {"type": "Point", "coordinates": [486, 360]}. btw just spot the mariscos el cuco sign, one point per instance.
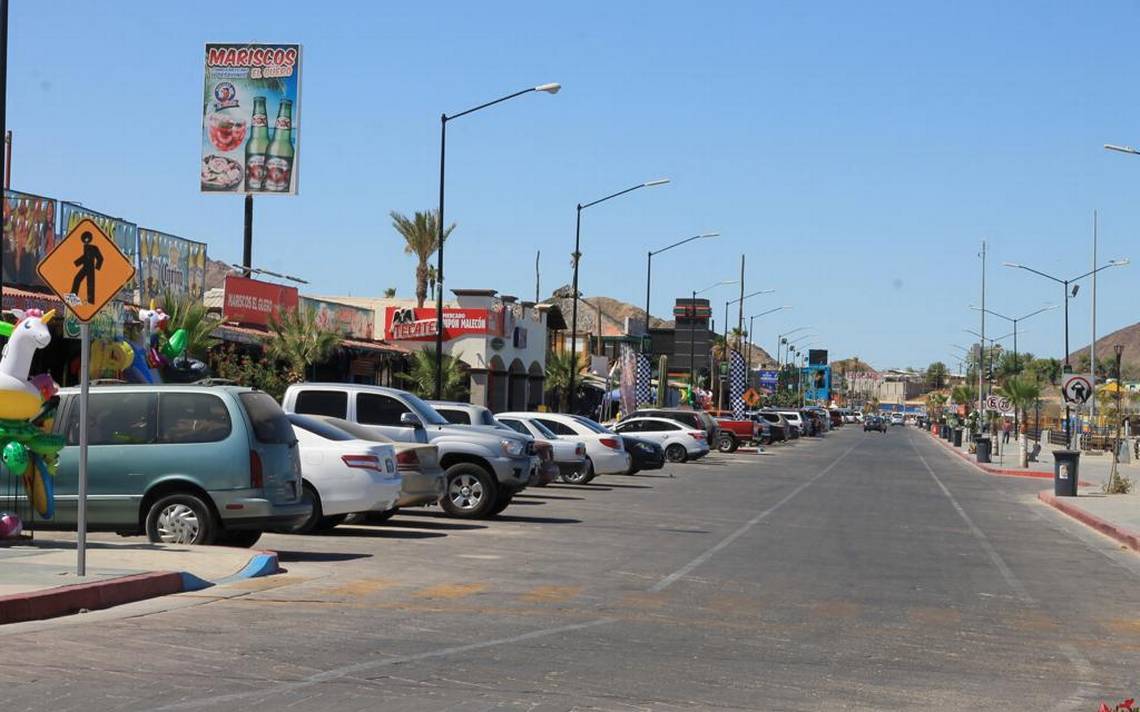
{"type": "Point", "coordinates": [252, 301]}
{"type": "Point", "coordinates": [251, 118]}
{"type": "Point", "coordinates": [412, 324]}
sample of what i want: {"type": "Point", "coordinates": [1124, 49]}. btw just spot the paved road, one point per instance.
{"type": "Point", "coordinates": [863, 571]}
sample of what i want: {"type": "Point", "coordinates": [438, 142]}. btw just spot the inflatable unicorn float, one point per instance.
{"type": "Point", "coordinates": [27, 407]}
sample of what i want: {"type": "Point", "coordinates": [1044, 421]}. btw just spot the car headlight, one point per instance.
{"type": "Point", "coordinates": [512, 448]}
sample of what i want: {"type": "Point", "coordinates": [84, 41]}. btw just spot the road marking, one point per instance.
{"type": "Point", "coordinates": [687, 568]}
{"type": "Point", "coordinates": [1084, 668]}
{"type": "Point", "coordinates": [282, 688]}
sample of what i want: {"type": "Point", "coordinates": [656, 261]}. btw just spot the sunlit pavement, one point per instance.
{"type": "Point", "coordinates": [864, 571]}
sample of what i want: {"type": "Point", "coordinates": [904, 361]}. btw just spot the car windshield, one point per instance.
{"type": "Point", "coordinates": [427, 414]}
{"type": "Point", "coordinates": [601, 429]}
{"type": "Point", "coordinates": [318, 427]}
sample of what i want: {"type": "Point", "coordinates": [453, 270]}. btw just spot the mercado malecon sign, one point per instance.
{"type": "Point", "coordinates": [419, 324]}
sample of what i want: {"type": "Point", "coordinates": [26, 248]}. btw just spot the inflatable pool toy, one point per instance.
{"type": "Point", "coordinates": [20, 399]}
{"type": "Point", "coordinates": [10, 525]}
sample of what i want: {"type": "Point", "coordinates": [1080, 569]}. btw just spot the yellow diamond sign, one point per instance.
{"type": "Point", "coordinates": [86, 269]}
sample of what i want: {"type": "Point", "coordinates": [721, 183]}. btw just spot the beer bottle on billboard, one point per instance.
{"type": "Point", "coordinates": [279, 155]}
{"type": "Point", "coordinates": [256, 146]}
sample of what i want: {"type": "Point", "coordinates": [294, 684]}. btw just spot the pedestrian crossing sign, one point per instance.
{"type": "Point", "coordinates": [86, 269]}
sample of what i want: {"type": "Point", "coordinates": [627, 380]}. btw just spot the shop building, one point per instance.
{"type": "Point", "coordinates": [499, 340]}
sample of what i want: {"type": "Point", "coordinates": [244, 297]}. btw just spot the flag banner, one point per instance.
{"type": "Point", "coordinates": [628, 379]}
{"type": "Point", "coordinates": [645, 394]}
{"type": "Point", "coordinates": [737, 375]}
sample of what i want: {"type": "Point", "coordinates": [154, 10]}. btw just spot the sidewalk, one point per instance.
{"type": "Point", "coordinates": [1116, 516]}
{"type": "Point", "coordinates": [38, 578]}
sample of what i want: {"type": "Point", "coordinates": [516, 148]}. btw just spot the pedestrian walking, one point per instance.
{"type": "Point", "coordinates": [1006, 426]}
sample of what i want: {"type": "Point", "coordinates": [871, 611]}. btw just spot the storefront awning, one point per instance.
{"type": "Point", "coordinates": [16, 298]}
{"type": "Point", "coordinates": [254, 335]}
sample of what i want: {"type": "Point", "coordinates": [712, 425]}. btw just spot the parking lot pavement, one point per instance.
{"type": "Point", "coordinates": [856, 571]}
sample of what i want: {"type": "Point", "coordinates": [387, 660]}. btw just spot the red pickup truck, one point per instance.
{"type": "Point", "coordinates": [734, 433]}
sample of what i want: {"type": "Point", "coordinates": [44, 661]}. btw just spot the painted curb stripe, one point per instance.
{"type": "Point", "coordinates": [1123, 535]}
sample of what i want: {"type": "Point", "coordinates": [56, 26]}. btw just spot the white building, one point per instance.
{"type": "Point", "coordinates": [501, 340]}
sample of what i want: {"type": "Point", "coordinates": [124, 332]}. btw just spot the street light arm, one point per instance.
{"type": "Point", "coordinates": [714, 286]}
{"type": "Point", "coordinates": [992, 313]}
{"type": "Point", "coordinates": [746, 296]}
{"type": "Point", "coordinates": [1037, 272]}
{"type": "Point", "coordinates": [1113, 263]}
{"type": "Point", "coordinates": [548, 88]}
{"type": "Point", "coordinates": [1050, 307]}
{"type": "Point", "coordinates": [682, 242]}
{"type": "Point", "coordinates": [647, 184]}
{"type": "Point", "coordinates": [775, 309]}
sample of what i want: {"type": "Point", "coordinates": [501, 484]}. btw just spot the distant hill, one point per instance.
{"type": "Point", "coordinates": [852, 364]}
{"type": "Point", "coordinates": [216, 272]}
{"type": "Point", "coordinates": [1129, 337]}
{"type": "Point", "coordinates": [614, 312]}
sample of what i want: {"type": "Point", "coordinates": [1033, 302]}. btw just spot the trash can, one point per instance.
{"type": "Point", "coordinates": [1066, 465]}
{"type": "Point", "coordinates": [957, 437]}
{"type": "Point", "coordinates": [983, 449]}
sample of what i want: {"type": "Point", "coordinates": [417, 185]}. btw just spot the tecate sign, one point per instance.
{"type": "Point", "coordinates": [419, 324]}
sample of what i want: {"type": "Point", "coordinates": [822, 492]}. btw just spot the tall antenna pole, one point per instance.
{"type": "Point", "coordinates": [982, 344]}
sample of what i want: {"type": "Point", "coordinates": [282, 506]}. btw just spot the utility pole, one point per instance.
{"type": "Point", "coordinates": [982, 346]}
{"type": "Point", "coordinates": [1092, 344]}
{"type": "Point", "coordinates": [537, 278]}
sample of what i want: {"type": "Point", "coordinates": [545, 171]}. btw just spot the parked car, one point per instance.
{"type": "Point", "coordinates": [478, 416]}
{"type": "Point", "coordinates": [605, 453]}
{"type": "Point", "coordinates": [342, 474]}
{"type": "Point", "coordinates": [779, 429]}
{"type": "Point", "coordinates": [795, 420]}
{"type": "Point", "coordinates": [569, 454]}
{"type": "Point", "coordinates": [897, 419]}
{"type": "Point", "coordinates": [421, 478]}
{"type": "Point", "coordinates": [732, 433]}
{"type": "Point", "coordinates": [182, 464]}
{"type": "Point", "coordinates": [835, 417]}
{"type": "Point", "coordinates": [644, 454]}
{"type": "Point", "coordinates": [485, 468]}
{"type": "Point", "coordinates": [681, 441]}
{"type": "Point", "coordinates": [874, 422]}
{"type": "Point", "coordinates": [695, 418]}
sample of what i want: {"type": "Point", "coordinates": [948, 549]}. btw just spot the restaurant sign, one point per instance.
{"type": "Point", "coordinates": [251, 301]}
{"type": "Point", "coordinates": [419, 324]}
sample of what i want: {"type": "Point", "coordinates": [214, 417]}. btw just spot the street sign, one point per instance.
{"type": "Point", "coordinates": [997, 403]}
{"type": "Point", "coordinates": [751, 397]}
{"type": "Point", "coordinates": [1076, 389]}
{"type": "Point", "coordinates": [86, 269]}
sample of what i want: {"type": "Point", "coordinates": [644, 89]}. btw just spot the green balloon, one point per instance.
{"type": "Point", "coordinates": [15, 456]}
{"type": "Point", "coordinates": [176, 344]}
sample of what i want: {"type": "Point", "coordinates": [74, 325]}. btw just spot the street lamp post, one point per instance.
{"type": "Point", "coordinates": [1048, 307]}
{"type": "Point", "coordinates": [692, 328]}
{"type": "Point", "coordinates": [750, 320]}
{"type": "Point", "coordinates": [1067, 368]}
{"type": "Point", "coordinates": [443, 119]}
{"type": "Point", "coordinates": [578, 258]}
{"type": "Point", "coordinates": [780, 341]}
{"type": "Point", "coordinates": [649, 268]}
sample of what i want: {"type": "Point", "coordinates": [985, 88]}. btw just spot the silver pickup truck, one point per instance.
{"type": "Point", "coordinates": [484, 469]}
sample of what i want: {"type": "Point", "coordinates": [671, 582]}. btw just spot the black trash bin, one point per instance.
{"type": "Point", "coordinates": [983, 449]}
{"type": "Point", "coordinates": [1066, 466]}
{"type": "Point", "coordinates": [957, 437]}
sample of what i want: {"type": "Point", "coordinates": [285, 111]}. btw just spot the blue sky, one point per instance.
{"type": "Point", "coordinates": [856, 152]}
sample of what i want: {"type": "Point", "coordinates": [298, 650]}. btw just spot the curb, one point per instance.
{"type": "Point", "coordinates": [1125, 536]}
{"type": "Point", "coordinates": [66, 600]}
{"type": "Point", "coordinates": [1004, 472]}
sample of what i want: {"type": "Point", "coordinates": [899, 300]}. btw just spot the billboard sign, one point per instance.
{"type": "Point", "coordinates": [817, 383]}
{"type": "Point", "coordinates": [356, 322]}
{"type": "Point", "coordinates": [251, 118]}
{"type": "Point", "coordinates": [252, 301]}
{"type": "Point", "coordinates": [419, 324]}
{"type": "Point", "coordinates": [29, 234]}
{"type": "Point", "coordinates": [769, 380]}
{"type": "Point", "coordinates": [169, 264]}
{"type": "Point", "coordinates": [124, 234]}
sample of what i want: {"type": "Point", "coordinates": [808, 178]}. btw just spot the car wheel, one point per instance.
{"type": "Point", "coordinates": [470, 492]}
{"type": "Point", "coordinates": [240, 539]}
{"type": "Point", "coordinates": [501, 502]}
{"type": "Point", "coordinates": [582, 476]}
{"type": "Point", "coordinates": [676, 453]}
{"type": "Point", "coordinates": [726, 443]}
{"type": "Point", "coordinates": [181, 519]}
{"type": "Point", "coordinates": [309, 494]}
{"type": "Point", "coordinates": [326, 523]}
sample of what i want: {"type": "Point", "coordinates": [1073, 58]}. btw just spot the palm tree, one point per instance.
{"type": "Point", "coordinates": [558, 368]}
{"type": "Point", "coordinates": [1022, 393]}
{"type": "Point", "coordinates": [421, 238]}
{"type": "Point", "coordinates": [390, 293]}
{"type": "Point", "coordinates": [964, 395]}
{"type": "Point", "coordinates": [936, 375]}
{"type": "Point", "coordinates": [187, 313]}
{"type": "Point", "coordinates": [421, 376]}
{"type": "Point", "coordinates": [299, 341]}
{"type": "Point", "coordinates": [736, 337]}
{"type": "Point", "coordinates": [719, 348]}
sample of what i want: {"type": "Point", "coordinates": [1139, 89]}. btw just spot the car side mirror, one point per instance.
{"type": "Point", "coordinates": [410, 420]}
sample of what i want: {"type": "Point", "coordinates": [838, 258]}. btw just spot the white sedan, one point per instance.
{"type": "Point", "coordinates": [343, 475]}
{"type": "Point", "coordinates": [605, 451]}
{"type": "Point", "coordinates": [681, 442]}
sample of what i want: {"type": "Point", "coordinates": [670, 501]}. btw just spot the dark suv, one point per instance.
{"type": "Point", "coordinates": [874, 422]}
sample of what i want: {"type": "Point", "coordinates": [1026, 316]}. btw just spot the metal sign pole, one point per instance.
{"type": "Point", "coordinates": [84, 385]}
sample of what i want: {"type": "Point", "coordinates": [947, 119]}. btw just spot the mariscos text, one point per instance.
{"type": "Point", "coordinates": [262, 61]}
